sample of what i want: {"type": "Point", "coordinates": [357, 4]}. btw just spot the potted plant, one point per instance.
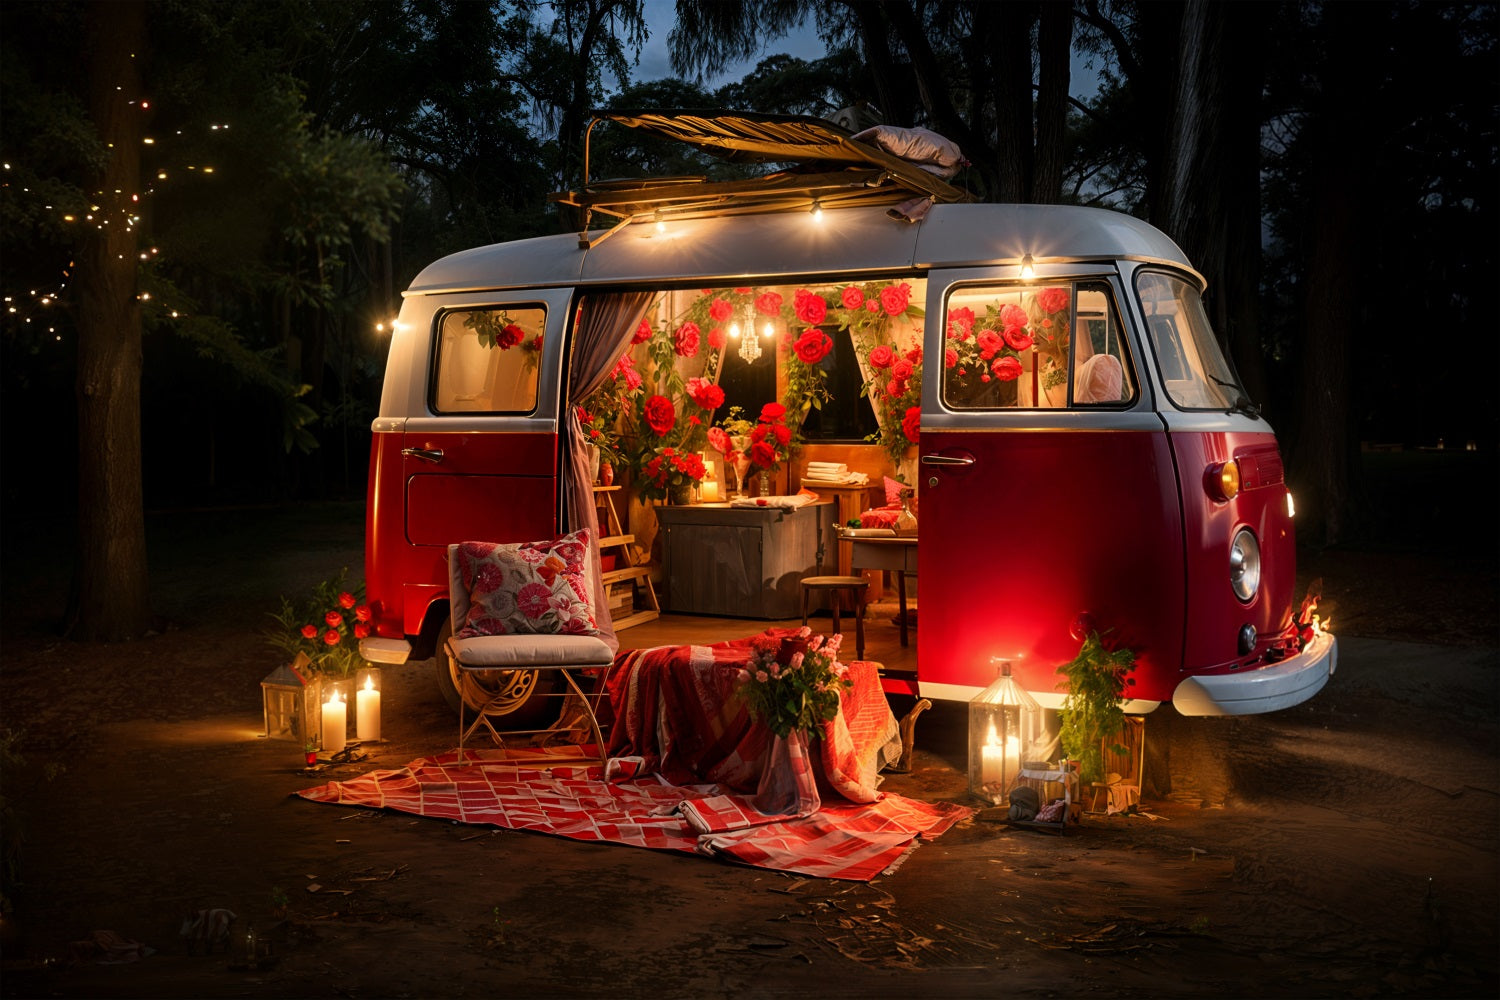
{"type": "Point", "coordinates": [326, 627]}
{"type": "Point", "coordinates": [1091, 713]}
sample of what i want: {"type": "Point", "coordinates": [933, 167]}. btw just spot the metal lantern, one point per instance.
{"type": "Point", "coordinates": [290, 695]}
{"type": "Point", "coordinates": [1005, 729]}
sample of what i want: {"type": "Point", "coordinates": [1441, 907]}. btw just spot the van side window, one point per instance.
{"type": "Point", "coordinates": [1193, 368]}
{"type": "Point", "coordinates": [487, 360]}
{"type": "Point", "coordinates": [1027, 347]}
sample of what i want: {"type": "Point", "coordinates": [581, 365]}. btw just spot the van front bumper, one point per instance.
{"type": "Point", "coordinates": [1265, 689]}
{"type": "Point", "coordinates": [384, 650]}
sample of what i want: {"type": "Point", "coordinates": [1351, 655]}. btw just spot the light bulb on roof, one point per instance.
{"type": "Point", "coordinates": [1028, 269]}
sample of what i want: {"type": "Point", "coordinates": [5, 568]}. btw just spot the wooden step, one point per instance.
{"type": "Point", "coordinates": [639, 618]}
{"type": "Point", "coordinates": [627, 573]}
{"type": "Point", "coordinates": [609, 541]}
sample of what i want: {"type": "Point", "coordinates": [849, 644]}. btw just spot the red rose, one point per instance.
{"type": "Point", "coordinates": [642, 333]}
{"type": "Point", "coordinates": [813, 346]}
{"type": "Point", "coordinates": [718, 440]}
{"type": "Point", "coordinates": [743, 291]}
{"type": "Point", "coordinates": [762, 455]}
{"type": "Point", "coordinates": [716, 338]}
{"type": "Point", "coordinates": [334, 619]}
{"type": "Point", "coordinates": [852, 297]}
{"type": "Point", "coordinates": [894, 388]}
{"type": "Point", "coordinates": [510, 336]}
{"type": "Point", "coordinates": [660, 414]}
{"type": "Point", "coordinates": [346, 600]}
{"type": "Point", "coordinates": [894, 298]}
{"type": "Point", "coordinates": [759, 432]}
{"type": "Point", "coordinates": [768, 304]}
{"type": "Point", "coordinates": [1053, 299]}
{"type": "Point", "coordinates": [911, 423]}
{"type": "Point", "coordinates": [535, 343]}
{"type": "Point", "coordinates": [1012, 315]}
{"type": "Point", "coordinates": [720, 310]}
{"type": "Point", "coordinates": [882, 356]}
{"type": "Point", "coordinates": [705, 393]}
{"type": "Point", "coordinates": [362, 613]}
{"type": "Point", "coordinates": [989, 343]}
{"type": "Point", "coordinates": [361, 631]}
{"type": "Point", "coordinates": [914, 355]}
{"type": "Point", "coordinates": [950, 358]}
{"type": "Point", "coordinates": [772, 411]}
{"type": "Point", "coordinates": [1018, 338]}
{"type": "Point", "coordinates": [872, 305]}
{"type": "Point", "coordinates": [309, 631]}
{"type": "Point", "coordinates": [782, 433]}
{"type": "Point", "coordinates": [960, 322]}
{"type": "Point", "coordinates": [685, 341]}
{"type": "Point", "coordinates": [810, 308]}
{"type": "Point", "coordinates": [331, 637]}
{"type": "Point", "coordinates": [1007, 369]}
{"type": "Point", "coordinates": [902, 370]}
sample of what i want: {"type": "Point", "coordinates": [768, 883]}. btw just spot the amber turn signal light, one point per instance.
{"type": "Point", "coordinates": [1222, 480]}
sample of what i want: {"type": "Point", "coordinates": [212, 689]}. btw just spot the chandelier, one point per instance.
{"type": "Point", "coordinates": [750, 348]}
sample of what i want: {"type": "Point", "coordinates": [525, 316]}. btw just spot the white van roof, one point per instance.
{"type": "Point", "coordinates": [864, 240]}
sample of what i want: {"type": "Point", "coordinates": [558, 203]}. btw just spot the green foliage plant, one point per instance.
{"type": "Point", "coordinates": [327, 626]}
{"type": "Point", "coordinates": [1091, 711]}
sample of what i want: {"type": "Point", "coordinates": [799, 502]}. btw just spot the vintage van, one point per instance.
{"type": "Point", "coordinates": [1084, 457]}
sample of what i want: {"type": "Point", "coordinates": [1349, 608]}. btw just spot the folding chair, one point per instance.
{"type": "Point", "coordinates": [565, 653]}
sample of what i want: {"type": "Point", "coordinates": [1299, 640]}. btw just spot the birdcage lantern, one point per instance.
{"type": "Point", "coordinates": [1005, 729]}
{"type": "Point", "coordinates": [291, 696]}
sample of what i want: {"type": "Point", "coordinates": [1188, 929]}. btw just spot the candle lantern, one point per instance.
{"type": "Point", "coordinates": [291, 696]}
{"type": "Point", "coordinates": [367, 704]}
{"type": "Point", "coordinates": [335, 716]}
{"type": "Point", "coordinates": [1005, 729]}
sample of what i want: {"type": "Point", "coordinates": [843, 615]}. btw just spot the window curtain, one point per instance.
{"type": "Point", "coordinates": [605, 325]}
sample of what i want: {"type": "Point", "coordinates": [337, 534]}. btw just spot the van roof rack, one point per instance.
{"type": "Point", "coordinates": [826, 166]}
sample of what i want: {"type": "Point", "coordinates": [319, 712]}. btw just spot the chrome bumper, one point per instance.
{"type": "Point", "coordinates": [1265, 689]}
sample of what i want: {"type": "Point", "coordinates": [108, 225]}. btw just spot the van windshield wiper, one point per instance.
{"type": "Point", "coordinates": [1242, 402]}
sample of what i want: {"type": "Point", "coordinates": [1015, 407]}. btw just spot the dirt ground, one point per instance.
{"type": "Point", "coordinates": [1347, 847]}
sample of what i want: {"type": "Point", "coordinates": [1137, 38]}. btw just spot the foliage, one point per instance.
{"type": "Point", "coordinates": [869, 311]}
{"type": "Point", "coordinates": [1097, 678]}
{"type": "Point", "coordinates": [326, 626]}
{"type": "Point", "coordinates": [797, 688]}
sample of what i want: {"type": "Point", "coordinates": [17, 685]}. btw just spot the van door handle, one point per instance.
{"type": "Point", "coordinates": [947, 459]}
{"type": "Point", "coordinates": [433, 455]}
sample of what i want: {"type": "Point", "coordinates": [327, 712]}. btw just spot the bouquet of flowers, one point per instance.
{"type": "Point", "coordinates": [795, 689]}
{"type": "Point", "coordinates": [327, 627]}
{"type": "Point", "coordinates": [896, 386]}
{"type": "Point", "coordinates": [771, 438]}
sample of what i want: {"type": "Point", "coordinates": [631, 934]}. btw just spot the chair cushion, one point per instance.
{"type": "Point", "coordinates": [527, 588]}
{"type": "Point", "coordinates": [496, 652]}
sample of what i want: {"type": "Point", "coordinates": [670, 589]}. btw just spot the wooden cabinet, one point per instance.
{"type": "Point", "coordinates": [746, 562]}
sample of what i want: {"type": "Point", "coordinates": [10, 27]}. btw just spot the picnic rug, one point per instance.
{"type": "Point", "coordinates": [686, 774]}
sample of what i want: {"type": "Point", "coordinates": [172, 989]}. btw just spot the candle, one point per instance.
{"type": "Point", "coordinates": [367, 712]}
{"type": "Point", "coordinates": [710, 491]}
{"type": "Point", "coordinates": [1012, 756]}
{"type": "Point", "coordinates": [335, 722]}
{"type": "Point", "coordinates": [991, 760]}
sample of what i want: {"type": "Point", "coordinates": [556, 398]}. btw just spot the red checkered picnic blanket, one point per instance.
{"type": "Point", "coordinates": [844, 840]}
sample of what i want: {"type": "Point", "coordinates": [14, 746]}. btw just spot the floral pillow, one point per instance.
{"type": "Point", "coordinates": [893, 492]}
{"type": "Point", "coordinates": [528, 588]}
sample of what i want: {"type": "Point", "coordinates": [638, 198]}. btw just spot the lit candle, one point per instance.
{"type": "Point", "coordinates": [992, 759]}
{"type": "Point", "coordinates": [1012, 756]}
{"type": "Point", "coordinates": [367, 711]}
{"type": "Point", "coordinates": [709, 490]}
{"type": "Point", "coordinates": [335, 722]}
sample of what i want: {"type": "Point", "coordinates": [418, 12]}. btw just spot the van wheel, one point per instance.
{"type": "Point", "coordinates": [523, 695]}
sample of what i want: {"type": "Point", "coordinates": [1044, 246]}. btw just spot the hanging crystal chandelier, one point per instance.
{"type": "Point", "coordinates": [750, 348]}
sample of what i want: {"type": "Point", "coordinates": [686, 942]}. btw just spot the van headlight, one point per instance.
{"type": "Point", "coordinates": [1244, 565]}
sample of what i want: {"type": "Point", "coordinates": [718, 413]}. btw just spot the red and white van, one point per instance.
{"type": "Point", "coordinates": [1113, 476]}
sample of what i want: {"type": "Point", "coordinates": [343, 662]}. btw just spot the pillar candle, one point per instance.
{"type": "Point", "coordinates": [335, 723]}
{"type": "Point", "coordinates": [991, 759]}
{"type": "Point", "coordinates": [367, 712]}
{"type": "Point", "coordinates": [710, 490]}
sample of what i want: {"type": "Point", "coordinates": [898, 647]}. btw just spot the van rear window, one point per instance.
{"type": "Point", "coordinates": [1028, 347]}
{"type": "Point", "coordinates": [487, 360]}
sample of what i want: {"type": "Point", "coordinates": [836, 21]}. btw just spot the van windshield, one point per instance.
{"type": "Point", "coordinates": [1192, 367]}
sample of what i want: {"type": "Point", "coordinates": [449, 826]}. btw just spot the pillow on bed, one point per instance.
{"type": "Point", "coordinates": [528, 588]}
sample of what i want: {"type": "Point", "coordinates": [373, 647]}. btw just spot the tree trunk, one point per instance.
{"type": "Point", "coordinates": [111, 594]}
{"type": "Point", "coordinates": [1343, 134]}
{"type": "Point", "coordinates": [1013, 115]}
{"type": "Point", "coordinates": [1054, 47]}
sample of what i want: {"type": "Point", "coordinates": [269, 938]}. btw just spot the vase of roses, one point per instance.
{"type": "Point", "coordinates": [320, 637]}
{"type": "Point", "coordinates": [792, 686]}
{"type": "Point", "coordinates": [770, 443]}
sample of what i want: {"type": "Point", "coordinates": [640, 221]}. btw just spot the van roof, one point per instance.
{"type": "Point", "coordinates": [860, 240]}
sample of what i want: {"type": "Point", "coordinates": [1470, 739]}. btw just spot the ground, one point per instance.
{"type": "Point", "coordinates": [1347, 847]}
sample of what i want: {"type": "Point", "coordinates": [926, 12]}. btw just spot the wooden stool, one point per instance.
{"type": "Point", "coordinates": [837, 587]}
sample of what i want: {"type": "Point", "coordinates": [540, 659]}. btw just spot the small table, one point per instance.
{"type": "Point", "coordinates": [895, 553]}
